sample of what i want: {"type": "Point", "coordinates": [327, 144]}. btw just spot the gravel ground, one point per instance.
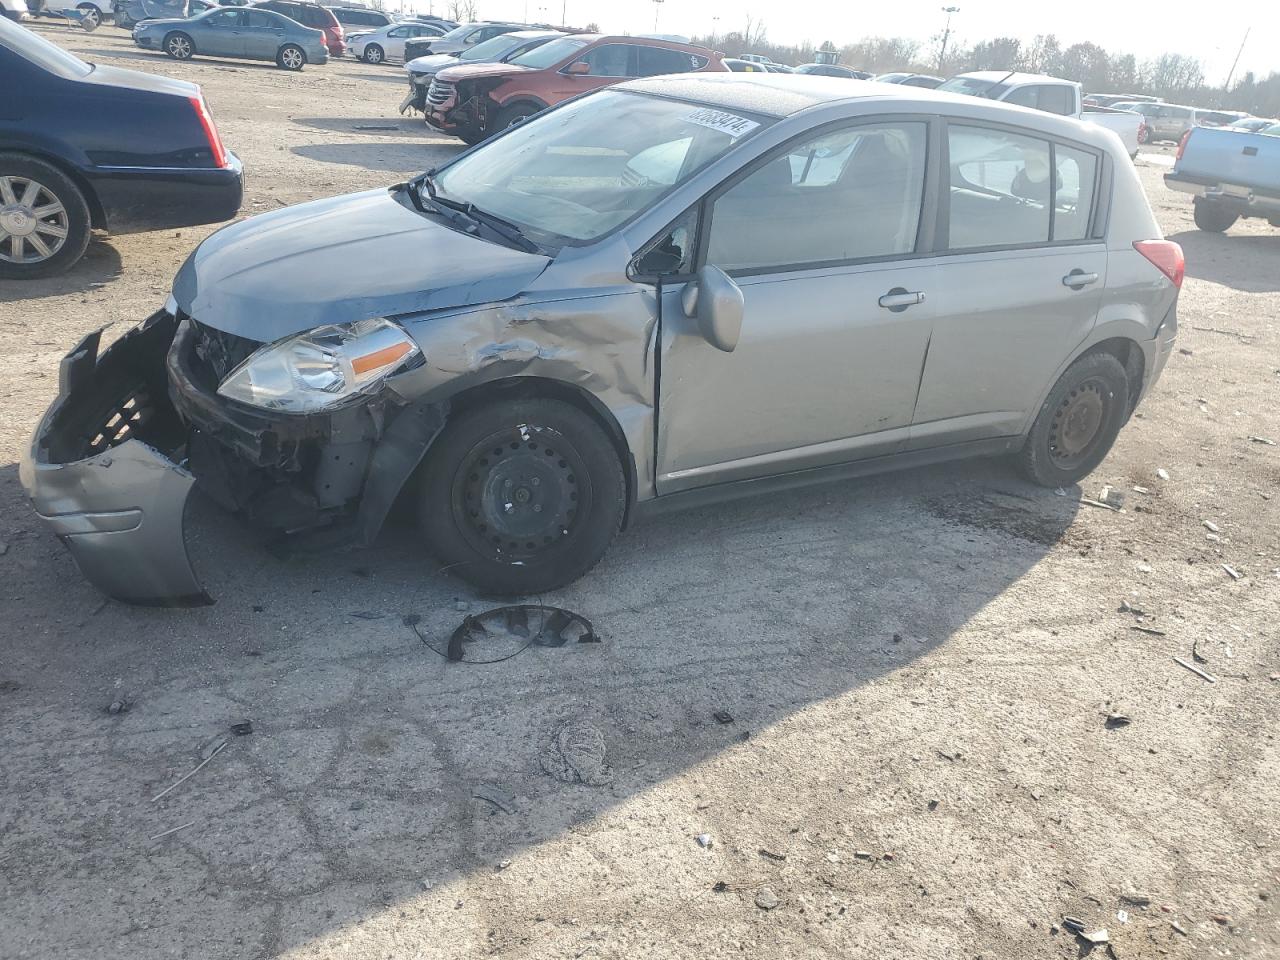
{"type": "Point", "coordinates": [912, 676]}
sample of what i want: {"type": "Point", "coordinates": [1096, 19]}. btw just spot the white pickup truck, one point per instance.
{"type": "Point", "coordinates": [1050, 94]}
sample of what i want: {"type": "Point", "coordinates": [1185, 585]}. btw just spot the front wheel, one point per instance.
{"type": "Point", "coordinates": [471, 137]}
{"type": "Point", "coordinates": [1078, 422]}
{"type": "Point", "coordinates": [291, 57]}
{"type": "Point", "coordinates": [90, 16]}
{"type": "Point", "coordinates": [1211, 218]}
{"type": "Point", "coordinates": [521, 496]}
{"type": "Point", "coordinates": [510, 116]}
{"type": "Point", "coordinates": [374, 54]}
{"type": "Point", "coordinates": [179, 46]}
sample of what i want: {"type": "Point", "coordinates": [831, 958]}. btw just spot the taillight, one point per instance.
{"type": "Point", "coordinates": [210, 131]}
{"type": "Point", "coordinates": [1182, 145]}
{"type": "Point", "coordinates": [1166, 256]}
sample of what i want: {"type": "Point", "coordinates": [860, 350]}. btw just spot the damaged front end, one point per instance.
{"type": "Point", "coordinates": [114, 459]}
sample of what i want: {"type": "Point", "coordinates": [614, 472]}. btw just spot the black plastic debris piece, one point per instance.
{"type": "Point", "coordinates": [539, 625]}
{"type": "Point", "coordinates": [367, 614]}
{"type": "Point", "coordinates": [243, 728]}
{"type": "Point", "coordinates": [723, 716]}
{"type": "Point", "coordinates": [1116, 720]}
{"type": "Point", "coordinates": [118, 706]}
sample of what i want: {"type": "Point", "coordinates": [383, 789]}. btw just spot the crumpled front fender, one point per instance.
{"type": "Point", "coordinates": [96, 472]}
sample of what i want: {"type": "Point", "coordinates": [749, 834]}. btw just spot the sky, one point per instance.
{"type": "Point", "coordinates": [1211, 32]}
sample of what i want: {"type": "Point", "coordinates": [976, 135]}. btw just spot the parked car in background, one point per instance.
{"type": "Point", "coordinates": [1050, 95]}
{"type": "Point", "coordinates": [1218, 118]}
{"type": "Point", "coordinates": [387, 43]}
{"type": "Point", "coordinates": [1251, 124]}
{"type": "Point", "coordinates": [462, 37]}
{"type": "Point", "coordinates": [1232, 174]}
{"type": "Point", "coordinates": [251, 33]}
{"type": "Point", "coordinates": [772, 67]}
{"type": "Point", "coordinates": [474, 101]}
{"type": "Point", "coordinates": [939, 278]}
{"type": "Point", "coordinates": [1114, 99]}
{"type": "Point", "coordinates": [15, 10]}
{"type": "Point", "coordinates": [314, 16]}
{"type": "Point", "coordinates": [95, 147]}
{"type": "Point", "coordinates": [738, 65]}
{"type": "Point", "coordinates": [832, 70]}
{"type": "Point", "coordinates": [499, 49]}
{"type": "Point", "coordinates": [923, 80]}
{"type": "Point", "coordinates": [1165, 121]}
{"type": "Point", "coordinates": [361, 19]}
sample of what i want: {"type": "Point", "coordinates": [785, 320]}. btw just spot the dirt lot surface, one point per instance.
{"type": "Point", "coordinates": [912, 676]}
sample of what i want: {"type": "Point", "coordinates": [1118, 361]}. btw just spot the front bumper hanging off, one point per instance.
{"type": "Point", "coordinates": [112, 462]}
{"type": "Point", "coordinates": [97, 469]}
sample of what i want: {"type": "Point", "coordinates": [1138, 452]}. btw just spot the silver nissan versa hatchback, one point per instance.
{"type": "Point", "coordinates": [676, 289]}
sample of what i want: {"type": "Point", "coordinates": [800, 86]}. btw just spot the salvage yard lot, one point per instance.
{"type": "Point", "coordinates": [896, 706]}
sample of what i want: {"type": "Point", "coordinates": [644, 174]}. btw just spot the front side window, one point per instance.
{"type": "Point", "coordinates": [397, 32]}
{"type": "Point", "coordinates": [1058, 99]}
{"type": "Point", "coordinates": [577, 172]}
{"type": "Point", "coordinates": [610, 60]}
{"type": "Point", "coordinates": [851, 194]}
{"type": "Point", "coordinates": [1000, 188]}
{"type": "Point", "coordinates": [226, 19]}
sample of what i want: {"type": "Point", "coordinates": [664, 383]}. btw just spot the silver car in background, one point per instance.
{"type": "Point", "coordinates": [500, 49]}
{"type": "Point", "coordinates": [674, 290]}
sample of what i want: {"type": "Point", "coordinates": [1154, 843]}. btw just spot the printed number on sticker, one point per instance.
{"type": "Point", "coordinates": [734, 126]}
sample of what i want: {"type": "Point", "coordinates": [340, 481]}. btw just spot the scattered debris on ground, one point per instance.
{"type": "Point", "coordinates": [576, 754]}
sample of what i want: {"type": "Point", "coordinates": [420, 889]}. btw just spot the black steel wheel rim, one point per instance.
{"type": "Point", "coordinates": [1077, 423]}
{"type": "Point", "coordinates": [519, 494]}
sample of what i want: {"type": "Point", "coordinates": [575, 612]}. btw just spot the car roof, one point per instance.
{"type": "Point", "coordinates": [1004, 76]}
{"type": "Point", "coordinates": [785, 94]}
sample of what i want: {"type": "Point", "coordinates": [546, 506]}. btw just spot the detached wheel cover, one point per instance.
{"type": "Point", "coordinates": [34, 223]}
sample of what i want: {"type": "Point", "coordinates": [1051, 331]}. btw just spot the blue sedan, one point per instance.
{"type": "Point", "coordinates": [235, 32]}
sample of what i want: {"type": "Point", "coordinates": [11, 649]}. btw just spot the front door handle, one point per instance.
{"type": "Point", "coordinates": [898, 299]}
{"type": "Point", "coordinates": [1078, 279]}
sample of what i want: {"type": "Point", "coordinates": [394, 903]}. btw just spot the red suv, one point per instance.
{"type": "Point", "coordinates": [475, 101]}
{"type": "Point", "coordinates": [314, 16]}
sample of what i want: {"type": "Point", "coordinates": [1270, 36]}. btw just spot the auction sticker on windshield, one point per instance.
{"type": "Point", "coordinates": [734, 126]}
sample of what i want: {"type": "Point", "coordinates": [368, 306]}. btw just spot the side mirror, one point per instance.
{"type": "Point", "coordinates": [717, 304]}
{"type": "Point", "coordinates": [578, 69]}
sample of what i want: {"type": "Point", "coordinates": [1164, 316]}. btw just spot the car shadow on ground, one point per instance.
{"type": "Point", "coordinates": [99, 265]}
{"type": "Point", "coordinates": [407, 126]}
{"type": "Point", "coordinates": [200, 61]}
{"type": "Point", "coordinates": [381, 780]}
{"type": "Point", "coordinates": [375, 155]}
{"type": "Point", "coordinates": [1229, 259]}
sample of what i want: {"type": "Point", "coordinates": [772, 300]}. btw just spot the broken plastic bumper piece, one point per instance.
{"type": "Point", "coordinates": [98, 469]}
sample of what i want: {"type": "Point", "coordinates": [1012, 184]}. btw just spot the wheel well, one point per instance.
{"type": "Point", "coordinates": [528, 388]}
{"type": "Point", "coordinates": [537, 105]}
{"type": "Point", "coordinates": [1130, 355]}
{"type": "Point", "coordinates": [97, 216]}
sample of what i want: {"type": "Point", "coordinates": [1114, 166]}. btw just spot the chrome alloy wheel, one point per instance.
{"type": "Point", "coordinates": [33, 222]}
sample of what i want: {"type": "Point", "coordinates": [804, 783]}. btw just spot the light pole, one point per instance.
{"type": "Point", "coordinates": [946, 35]}
{"type": "Point", "coordinates": [715, 24]}
{"type": "Point", "coordinates": [657, 7]}
{"type": "Point", "coordinates": [1236, 62]}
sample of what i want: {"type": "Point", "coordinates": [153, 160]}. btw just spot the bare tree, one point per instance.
{"type": "Point", "coordinates": [753, 33]}
{"type": "Point", "coordinates": [463, 11]}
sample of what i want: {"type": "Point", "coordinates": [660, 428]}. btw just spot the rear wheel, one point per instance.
{"type": "Point", "coordinates": [521, 496]}
{"type": "Point", "coordinates": [291, 57]}
{"type": "Point", "coordinates": [90, 16]}
{"type": "Point", "coordinates": [1078, 422]}
{"type": "Point", "coordinates": [374, 54]}
{"type": "Point", "coordinates": [1213, 218]}
{"type": "Point", "coordinates": [44, 219]}
{"type": "Point", "coordinates": [179, 46]}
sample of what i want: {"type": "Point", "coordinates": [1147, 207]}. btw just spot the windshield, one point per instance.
{"type": "Point", "coordinates": [575, 173]}
{"type": "Point", "coordinates": [539, 58]}
{"type": "Point", "coordinates": [494, 47]}
{"type": "Point", "coordinates": [32, 47]}
{"type": "Point", "coordinates": [974, 87]}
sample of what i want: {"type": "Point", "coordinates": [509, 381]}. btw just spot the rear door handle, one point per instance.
{"type": "Point", "coordinates": [1078, 278]}
{"type": "Point", "coordinates": [898, 299]}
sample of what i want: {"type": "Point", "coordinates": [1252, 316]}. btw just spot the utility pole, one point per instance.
{"type": "Point", "coordinates": [1236, 61]}
{"type": "Point", "coordinates": [946, 35]}
{"type": "Point", "coordinates": [564, 6]}
{"type": "Point", "coordinates": [657, 7]}
{"type": "Point", "coordinates": [715, 22]}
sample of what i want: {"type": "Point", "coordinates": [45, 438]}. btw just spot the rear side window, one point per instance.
{"type": "Point", "coordinates": [851, 194]}
{"type": "Point", "coordinates": [657, 60]}
{"type": "Point", "coordinates": [1000, 188]}
{"type": "Point", "coordinates": [1074, 191]}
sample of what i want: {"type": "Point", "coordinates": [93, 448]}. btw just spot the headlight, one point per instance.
{"type": "Point", "coordinates": [321, 368]}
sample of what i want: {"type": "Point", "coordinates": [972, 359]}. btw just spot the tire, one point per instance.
{"type": "Point", "coordinates": [373, 54]}
{"type": "Point", "coordinates": [65, 232]}
{"type": "Point", "coordinates": [1213, 219]}
{"type": "Point", "coordinates": [513, 114]}
{"type": "Point", "coordinates": [179, 45]}
{"type": "Point", "coordinates": [91, 15]}
{"type": "Point", "coordinates": [536, 516]}
{"type": "Point", "coordinates": [1077, 423]}
{"type": "Point", "coordinates": [124, 21]}
{"type": "Point", "coordinates": [291, 57]}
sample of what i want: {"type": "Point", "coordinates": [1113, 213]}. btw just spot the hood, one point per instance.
{"type": "Point", "coordinates": [135, 80]}
{"type": "Point", "coordinates": [431, 63]}
{"type": "Point", "coordinates": [341, 260]}
{"type": "Point", "coordinates": [470, 71]}
{"type": "Point", "coordinates": [165, 23]}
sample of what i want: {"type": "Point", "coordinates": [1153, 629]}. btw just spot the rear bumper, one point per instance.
{"type": "Point", "coordinates": [1242, 200]}
{"type": "Point", "coordinates": [135, 199]}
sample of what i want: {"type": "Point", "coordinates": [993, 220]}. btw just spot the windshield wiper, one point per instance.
{"type": "Point", "coordinates": [503, 228]}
